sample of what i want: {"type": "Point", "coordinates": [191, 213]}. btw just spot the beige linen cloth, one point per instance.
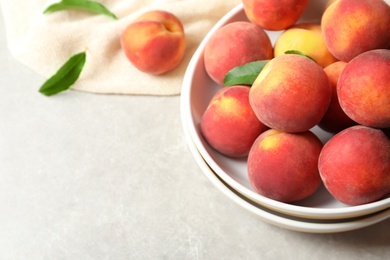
{"type": "Point", "coordinates": [44, 42]}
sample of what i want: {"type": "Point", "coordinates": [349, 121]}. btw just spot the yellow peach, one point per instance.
{"type": "Point", "coordinates": [306, 38]}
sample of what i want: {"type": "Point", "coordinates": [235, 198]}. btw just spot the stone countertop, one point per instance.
{"type": "Point", "coordinates": [87, 176]}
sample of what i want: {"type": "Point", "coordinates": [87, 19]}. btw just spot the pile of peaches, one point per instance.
{"type": "Point", "coordinates": [341, 85]}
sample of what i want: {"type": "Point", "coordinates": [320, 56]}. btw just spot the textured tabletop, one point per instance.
{"type": "Point", "coordinates": [87, 176]}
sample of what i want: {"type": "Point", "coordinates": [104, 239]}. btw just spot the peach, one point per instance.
{"type": "Point", "coordinates": [351, 27]}
{"type": "Point", "coordinates": [274, 14]}
{"type": "Point", "coordinates": [155, 42]}
{"type": "Point", "coordinates": [291, 93]}
{"type": "Point", "coordinates": [283, 166]}
{"type": "Point", "coordinates": [355, 165]}
{"type": "Point", "coordinates": [229, 124]}
{"type": "Point", "coordinates": [335, 118]}
{"type": "Point", "coordinates": [363, 88]}
{"type": "Point", "coordinates": [233, 45]}
{"type": "Point", "coordinates": [306, 38]}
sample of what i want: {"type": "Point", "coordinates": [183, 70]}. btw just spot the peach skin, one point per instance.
{"type": "Point", "coordinates": [233, 45]}
{"type": "Point", "coordinates": [291, 93]}
{"type": "Point", "coordinates": [351, 27]}
{"type": "Point", "coordinates": [306, 38]}
{"type": "Point", "coordinates": [283, 166]}
{"type": "Point", "coordinates": [155, 42]}
{"type": "Point", "coordinates": [274, 14]}
{"type": "Point", "coordinates": [229, 124]}
{"type": "Point", "coordinates": [364, 88]}
{"type": "Point", "coordinates": [335, 118]}
{"type": "Point", "coordinates": [355, 165]}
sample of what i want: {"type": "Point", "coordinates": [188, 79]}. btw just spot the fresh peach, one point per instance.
{"type": "Point", "coordinates": [291, 93]}
{"type": "Point", "coordinates": [274, 14]}
{"type": "Point", "coordinates": [229, 124]}
{"type": "Point", "coordinates": [284, 166]}
{"type": "Point", "coordinates": [233, 45]}
{"type": "Point", "coordinates": [351, 27]}
{"type": "Point", "coordinates": [155, 42]}
{"type": "Point", "coordinates": [306, 38]}
{"type": "Point", "coordinates": [355, 165]}
{"type": "Point", "coordinates": [364, 88]}
{"type": "Point", "coordinates": [335, 118]}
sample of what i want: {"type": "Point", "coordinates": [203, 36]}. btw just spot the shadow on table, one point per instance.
{"type": "Point", "coordinates": [377, 235]}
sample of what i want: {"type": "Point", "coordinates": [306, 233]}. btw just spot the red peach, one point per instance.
{"type": "Point", "coordinates": [291, 93]}
{"type": "Point", "coordinates": [364, 89]}
{"type": "Point", "coordinates": [335, 118]}
{"type": "Point", "coordinates": [355, 165]}
{"type": "Point", "coordinates": [274, 14]}
{"type": "Point", "coordinates": [229, 124]}
{"type": "Point", "coordinates": [351, 27]}
{"type": "Point", "coordinates": [283, 166]}
{"type": "Point", "coordinates": [155, 42]}
{"type": "Point", "coordinates": [233, 45]}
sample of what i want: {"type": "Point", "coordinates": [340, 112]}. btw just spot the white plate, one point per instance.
{"type": "Point", "coordinates": [276, 218]}
{"type": "Point", "coordinates": [197, 91]}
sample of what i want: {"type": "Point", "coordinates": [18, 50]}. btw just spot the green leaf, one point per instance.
{"type": "Point", "coordinates": [85, 5]}
{"type": "Point", "coordinates": [244, 74]}
{"type": "Point", "coordinates": [298, 53]}
{"type": "Point", "coordinates": [66, 76]}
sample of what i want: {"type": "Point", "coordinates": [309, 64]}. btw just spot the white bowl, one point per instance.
{"type": "Point", "coordinates": [197, 91]}
{"type": "Point", "coordinates": [277, 218]}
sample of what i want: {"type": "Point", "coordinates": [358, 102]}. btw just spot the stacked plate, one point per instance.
{"type": "Point", "coordinates": [320, 213]}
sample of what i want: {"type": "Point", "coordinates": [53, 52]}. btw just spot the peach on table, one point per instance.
{"type": "Point", "coordinates": [155, 42]}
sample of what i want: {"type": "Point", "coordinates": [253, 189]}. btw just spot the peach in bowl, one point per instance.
{"type": "Point", "coordinates": [199, 89]}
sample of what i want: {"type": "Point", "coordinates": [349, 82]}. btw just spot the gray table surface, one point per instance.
{"type": "Point", "coordinates": [86, 176]}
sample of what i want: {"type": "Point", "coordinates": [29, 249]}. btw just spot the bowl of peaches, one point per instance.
{"type": "Point", "coordinates": [287, 111]}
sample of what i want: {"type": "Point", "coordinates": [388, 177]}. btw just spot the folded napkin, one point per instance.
{"type": "Point", "coordinates": [44, 42]}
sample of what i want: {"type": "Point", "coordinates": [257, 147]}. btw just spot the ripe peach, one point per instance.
{"type": "Point", "coordinates": [335, 118]}
{"type": "Point", "coordinates": [363, 88]}
{"type": "Point", "coordinates": [233, 45]}
{"type": "Point", "coordinates": [351, 27]}
{"type": "Point", "coordinates": [355, 165]}
{"type": "Point", "coordinates": [229, 124]}
{"type": "Point", "coordinates": [306, 38]}
{"type": "Point", "coordinates": [291, 93]}
{"type": "Point", "coordinates": [155, 42]}
{"type": "Point", "coordinates": [283, 166]}
{"type": "Point", "coordinates": [274, 14]}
